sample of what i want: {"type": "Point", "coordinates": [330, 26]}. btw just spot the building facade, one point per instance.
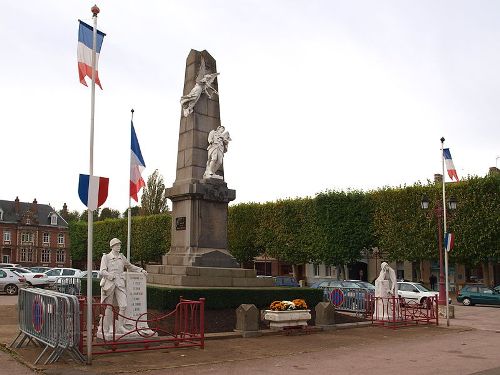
{"type": "Point", "coordinates": [33, 235]}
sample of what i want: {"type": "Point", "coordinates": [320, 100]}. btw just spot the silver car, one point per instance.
{"type": "Point", "coordinates": [10, 282]}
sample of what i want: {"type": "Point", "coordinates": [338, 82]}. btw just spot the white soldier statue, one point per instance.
{"type": "Point", "coordinates": [113, 288]}
{"type": "Point", "coordinates": [218, 141]}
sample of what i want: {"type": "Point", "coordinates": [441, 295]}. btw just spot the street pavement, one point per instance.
{"type": "Point", "coordinates": [469, 346]}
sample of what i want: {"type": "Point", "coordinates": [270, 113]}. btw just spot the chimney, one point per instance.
{"type": "Point", "coordinates": [16, 206]}
{"type": "Point", "coordinates": [438, 178]}
{"type": "Point", "coordinates": [34, 207]}
{"type": "Point", "coordinates": [65, 209]}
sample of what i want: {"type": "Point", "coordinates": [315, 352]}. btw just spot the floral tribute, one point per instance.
{"type": "Point", "coordinates": [296, 304]}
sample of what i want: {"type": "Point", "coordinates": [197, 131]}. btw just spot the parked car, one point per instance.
{"type": "Point", "coordinates": [40, 269]}
{"type": "Point", "coordinates": [365, 285]}
{"type": "Point", "coordinates": [354, 296]}
{"type": "Point", "coordinates": [479, 294]}
{"type": "Point", "coordinates": [416, 292]}
{"type": "Point", "coordinates": [285, 281]}
{"type": "Point", "coordinates": [96, 274]}
{"type": "Point", "coordinates": [38, 279]}
{"type": "Point", "coordinates": [2, 265]}
{"type": "Point", "coordinates": [57, 272]}
{"type": "Point", "coordinates": [10, 281]}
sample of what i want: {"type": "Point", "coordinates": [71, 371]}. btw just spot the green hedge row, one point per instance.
{"type": "Point", "coordinates": [165, 298]}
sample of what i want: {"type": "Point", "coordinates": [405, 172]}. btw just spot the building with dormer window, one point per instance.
{"type": "Point", "coordinates": [33, 234]}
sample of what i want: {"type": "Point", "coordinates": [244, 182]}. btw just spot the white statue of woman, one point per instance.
{"type": "Point", "coordinates": [218, 141]}
{"type": "Point", "coordinates": [203, 85]}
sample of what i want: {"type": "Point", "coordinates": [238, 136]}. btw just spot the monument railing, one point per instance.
{"type": "Point", "coordinates": [393, 312]}
{"type": "Point", "coordinates": [50, 319]}
{"type": "Point", "coordinates": [180, 328]}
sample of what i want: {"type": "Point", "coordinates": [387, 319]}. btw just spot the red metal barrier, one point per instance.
{"type": "Point", "coordinates": [182, 327]}
{"type": "Point", "coordinates": [392, 312]}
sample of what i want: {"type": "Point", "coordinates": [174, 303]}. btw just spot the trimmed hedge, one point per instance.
{"type": "Point", "coordinates": [165, 298]}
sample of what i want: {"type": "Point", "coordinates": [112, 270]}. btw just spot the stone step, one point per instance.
{"type": "Point", "coordinates": [201, 271]}
{"type": "Point", "coordinates": [208, 281]}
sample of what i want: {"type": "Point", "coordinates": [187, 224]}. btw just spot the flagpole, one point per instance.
{"type": "Point", "coordinates": [95, 12]}
{"type": "Point", "coordinates": [444, 231]}
{"type": "Point", "coordinates": [129, 226]}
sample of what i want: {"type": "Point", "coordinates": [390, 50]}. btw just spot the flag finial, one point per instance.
{"type": "Point", "coordinates": [95, 10]}
{"type": "Point", "coordinates": [442, 139]}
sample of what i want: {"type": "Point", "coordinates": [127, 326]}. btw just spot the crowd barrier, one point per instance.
{"type": "Point", "coordinates": [355, 300]}
{"type": "Point", "coordinates": [68, 285]}
{"type": "Point", "coordinates": [51, 319]}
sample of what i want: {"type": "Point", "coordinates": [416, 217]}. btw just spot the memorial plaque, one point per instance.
{"type": "Point", "coordinates": [136, 296]}
{"type": "Point", "coordinates": [180, 223]}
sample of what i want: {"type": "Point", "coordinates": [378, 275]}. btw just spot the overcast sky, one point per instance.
{"type": "Point", "coordinates": [317, 95]}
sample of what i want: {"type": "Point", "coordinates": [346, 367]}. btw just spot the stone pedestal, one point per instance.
{"type": "Point", "coordinates": [325, 315]}
{"type": "Point", "coordinates": [247, 320]}
{"type": "Point", "coordinates": [289, 318]}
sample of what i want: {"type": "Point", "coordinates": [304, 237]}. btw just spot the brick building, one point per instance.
{"type": "Point", "coordinates": [33, 234]}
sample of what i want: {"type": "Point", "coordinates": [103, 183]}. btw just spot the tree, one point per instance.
{"type": "Point", "coordinates": [134, 211]}
{"type": "Point", "coordinates": [109, 213]}
{"type": "Point", "coordinates": [69, 216]}
{"type": "Point", "coordinates": [154, 200]}
{"type": "Point", "coordinates": [85, 216]}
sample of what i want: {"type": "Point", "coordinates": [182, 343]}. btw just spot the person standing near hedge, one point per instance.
{"type": "Point", "coordinates": [113, 288]}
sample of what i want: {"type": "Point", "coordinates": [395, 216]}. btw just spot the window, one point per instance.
{"type": "Point", "coordinates": [68, 272]}
{"type": "Point", "coordinates": [6, 258]}
{"type": "Point", "coordinates": [29, 255]}
{"type": "Point", "coordinates": [54, 272]}
{"type": "Point", "coordinates": [316, 270]}
{"type": "Point", "coordinates": [328, 270]}
{"type": "Point", "coordinates": [1, 214]}
{"type": "Point", "coordinates": [46, 238]}
{"type": "Point", "coordinates": [6, 236]}
{"type": "Point", "coordinates": [23, 255]}
{"type": "Point", "coordinates": [60, 256]}
{"type": "Point", "coordinates": [53, 219]}
{"type": "Point", "coordinates": [28, 221]}
{"type": "Point", "coordinates": [60, 239]}
{"type": "Point", "coordinates": [26, 237]}
{"type": "Point", "coordinates": [45, 256]}
{"type": "Point", "coordinates": [3, 274]}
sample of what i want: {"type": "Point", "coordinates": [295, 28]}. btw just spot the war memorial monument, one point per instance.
{"type": "Point", "coordinates": [199, 254]}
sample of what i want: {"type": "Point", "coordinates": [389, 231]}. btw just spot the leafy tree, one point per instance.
{"type": "Point", "coordinates": [242, 226]}
{"type": "Point", "coordinates": [85, 216]}
{"type": "Point", "coordinates": [69, 216]}
{"type": "Point", "coordinates": [153, 199]}
{"type": "Point", "coordinates": [134, 211]}
{"type": "Point", "coordinates": [109, 213]}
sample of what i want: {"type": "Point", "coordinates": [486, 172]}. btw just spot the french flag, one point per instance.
{"type": "Point", "coordinates": [449, 241]}
{"type": "Point", "coordinates": [93, 190]}
{"type": "Point", "coordinates": [85, 42]}
{"type": "Point", "coordinates": [137, 165]}
{"type": "Point", "coordinates": [452, 172]}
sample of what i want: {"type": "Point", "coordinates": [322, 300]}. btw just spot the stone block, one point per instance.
{"type": "Point", "coordinates": [247, 318]}
{"type": "Point", "coordinates": [250, 272]}
{"type": "Point", "coordinates": [196, 157]}
{"type": "Point", "coordinates": [181, 159]}
{"type": "Point", "coordinates": [213, 108]}
{"type": "Point", "coordinates": [201, 106]}
{"type": "Point", "coordinates": [178, 270]}
{"type": "Point", "coordinates": [325, 314]}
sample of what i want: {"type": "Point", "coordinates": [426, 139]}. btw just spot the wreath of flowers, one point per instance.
{"type": "Point", "coordinates": [296, 304]}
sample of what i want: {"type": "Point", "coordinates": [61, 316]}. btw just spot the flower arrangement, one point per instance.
{"type": "Point", "coordinates": [296, 304]}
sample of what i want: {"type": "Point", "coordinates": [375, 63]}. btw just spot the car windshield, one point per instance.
{"type": "Point", "coordinates": [421, 288]}
{"type": "Point", "coordinates": [349, 284]}
{"type": "Point", "coordinates": [366, 285]}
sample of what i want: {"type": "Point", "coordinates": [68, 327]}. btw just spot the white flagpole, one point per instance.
{"type": "Point", "coordinates": [444, 231]}
{"type": "Point", "coordinates": [95, 12]}
{"type": "Point", "coordinates": [129, 226]}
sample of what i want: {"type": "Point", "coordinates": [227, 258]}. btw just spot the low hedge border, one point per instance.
{"type": "Point", "coordinates": [166, 298]}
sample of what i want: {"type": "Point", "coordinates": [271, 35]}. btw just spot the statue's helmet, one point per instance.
{"type": "Point", "coordinates": [114, 241]}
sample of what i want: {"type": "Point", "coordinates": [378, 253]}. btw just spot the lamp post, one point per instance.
{"type": "Point", "coordinates": [437, 211]}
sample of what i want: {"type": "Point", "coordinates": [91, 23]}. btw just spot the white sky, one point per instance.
{"type": "Point", "coordinates": [316, 94]}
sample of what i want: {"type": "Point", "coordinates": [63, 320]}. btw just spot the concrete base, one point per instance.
{"type": "Point", "coordinates": [246, 334]}
{"type": "Point", "coordinates": [442, 311]}
{"type": "Point", "coordinates": [205, 276]}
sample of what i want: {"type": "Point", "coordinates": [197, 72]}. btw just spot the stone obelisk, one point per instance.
{"type": "Point", "coordinates": [199, 254]}
{"type": "Point", "coordinates": [199, 205]}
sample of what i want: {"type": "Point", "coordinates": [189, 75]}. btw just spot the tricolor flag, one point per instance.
{"type": "Point", "coordinates": [452, 172]}
{"type": "Point", "coordinates": [85, 42]}
{"type": "Point", "coordinates": [449, 241]}
{"type": "Point", "coordinates": [93, 190]}
{"type": "Point", "coordinates": [137, 165]}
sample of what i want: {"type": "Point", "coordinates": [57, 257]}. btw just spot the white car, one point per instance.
{"type": "Point", "coordinates": [37, 279]}
{"type": "Point", "coordinates": [415, 292]}
{"type": "Point", "coordinates": [56, 273]}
